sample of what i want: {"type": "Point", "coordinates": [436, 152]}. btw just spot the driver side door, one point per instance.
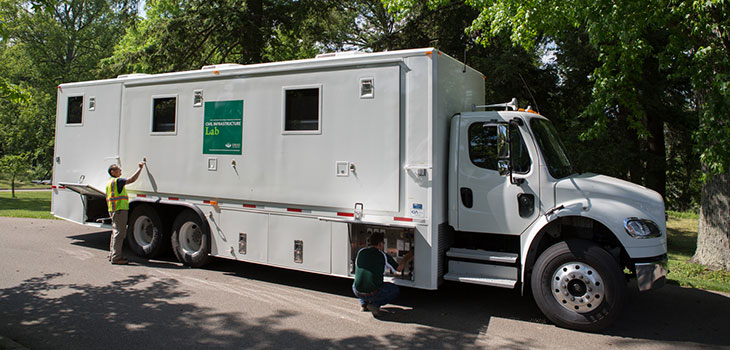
{"type": "Point", "coordinates": [490, 200]}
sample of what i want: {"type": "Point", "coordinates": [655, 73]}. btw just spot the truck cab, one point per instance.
{"type": "Point", "coordinates": [520, 212]}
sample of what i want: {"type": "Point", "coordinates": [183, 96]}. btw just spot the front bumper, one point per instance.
{"type": "Point", "coordinates": [651, 275]}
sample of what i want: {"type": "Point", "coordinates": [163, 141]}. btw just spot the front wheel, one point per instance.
{"type": "Point", "coordinates": [190, 239]}
{"type": "Point", "coordinates": [578, 285]}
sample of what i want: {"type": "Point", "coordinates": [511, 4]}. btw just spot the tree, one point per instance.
{"type": "Point", "coordinates": [659, 63]}
{"type": "Point", "coordinates": [45, 43]}
{"type": "Point", "coordinates": [65, 40]}
{"type": "Point", "coordinates": [707, 62]}
{"type": "Point", "coordinates": [187, 35]}
{"type": "Point", "coordinates": [15, 165]}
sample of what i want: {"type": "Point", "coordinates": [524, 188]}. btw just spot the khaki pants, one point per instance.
{"type": "Point", "coordinates": [119, 233]}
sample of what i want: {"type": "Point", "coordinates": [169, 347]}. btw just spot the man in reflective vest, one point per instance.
{"type": "Point", "coordinates": [117, 202]}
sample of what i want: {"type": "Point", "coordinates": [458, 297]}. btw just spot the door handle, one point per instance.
{"type": "Point", "coordinates": [467, 197]}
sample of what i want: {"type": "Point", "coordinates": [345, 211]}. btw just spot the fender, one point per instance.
{"type": "Point", "coordinates": [535, 232]}
{"type": "Point", "coordinates": [607, 212]}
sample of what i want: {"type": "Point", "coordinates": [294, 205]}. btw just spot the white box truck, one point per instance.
{"type": "Point", "coordinates": [293, 164]}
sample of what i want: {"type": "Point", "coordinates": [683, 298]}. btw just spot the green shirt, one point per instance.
{"type": "Point", "coordinates": [370, 265]}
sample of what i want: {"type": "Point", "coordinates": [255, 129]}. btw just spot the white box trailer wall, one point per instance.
{"type": "Point", "coordinates": [381, 139]}
{"type": "Point", "coordinates": [274, 165]}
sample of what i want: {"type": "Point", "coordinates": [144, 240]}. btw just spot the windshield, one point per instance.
{"type": "Point", "coordinates": [551, 147]}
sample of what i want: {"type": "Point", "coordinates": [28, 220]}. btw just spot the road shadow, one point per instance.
{"type": "Point", "coordinates": [457, 313]}
{"type": "Point", "coordinates": [100, 241]}
{"type": "Point", "coordinates": [674, 313]}
{"type": "Point", "coordinates": [139, 312]}
{"type": "Point", "coordinates": [671, 313]}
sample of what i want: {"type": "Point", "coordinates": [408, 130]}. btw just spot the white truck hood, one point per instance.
{"type": "Point", "coordinates": [590, 186]}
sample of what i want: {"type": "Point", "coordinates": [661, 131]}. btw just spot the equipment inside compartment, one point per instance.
{"type": "Point", "coordinates": [398, 242]}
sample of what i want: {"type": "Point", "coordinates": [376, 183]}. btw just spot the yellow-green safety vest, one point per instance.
{"type": "Point", "coordinates": [114, 199]}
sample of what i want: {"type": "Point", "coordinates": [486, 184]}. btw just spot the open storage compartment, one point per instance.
{"type": "Point", "coordinates": [95, 207]}
{"type": "Point", "coordinates": [398, 242]}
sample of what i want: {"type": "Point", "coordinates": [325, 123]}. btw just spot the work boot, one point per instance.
{"type": "Point", "coordinates": [374, 309]}
{"type": "Point", "coordinates": [121, 261]}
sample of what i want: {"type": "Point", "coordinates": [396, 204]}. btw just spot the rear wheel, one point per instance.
{"type": "Point", "coordinates": [190, 239]}
{"type": "Point", "coordinates": [146, 234]}
{"type": "Point", "coordinates": [578, 285]}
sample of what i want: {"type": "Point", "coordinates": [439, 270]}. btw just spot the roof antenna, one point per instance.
{"type": "Point", "coordinates": [466, 47]}
{"type": "Point", "coordinates": [530, 92]}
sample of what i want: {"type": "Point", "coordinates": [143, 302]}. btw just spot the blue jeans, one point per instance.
{"type": "Point", "coordinates": [387, 293]}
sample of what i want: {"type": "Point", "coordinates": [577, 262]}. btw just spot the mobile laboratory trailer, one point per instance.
{"type": "Point", "coordinates": [293, 164]}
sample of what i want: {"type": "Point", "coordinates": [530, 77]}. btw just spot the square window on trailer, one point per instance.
{"type": "Point", "coordinates": [164, 111]}
{"type": "Point", "coordinates": [302, 110]}
{"type": "Point", "coordinates": [74, 109]}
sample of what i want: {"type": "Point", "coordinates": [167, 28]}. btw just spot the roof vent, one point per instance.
{"type": "Point", "coordinates": [132, 75]}
{"type": "Point", "coordinates": [221, 66]}
{"type": "Point", "coordinates": [340, 54]}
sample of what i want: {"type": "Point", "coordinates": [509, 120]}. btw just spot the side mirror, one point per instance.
{"type": "Point", "coordinates": [503, 167]}
{"type": "Point", "coordinates": [503, 141]}
{"type": "Point", "coordinates": [503, 150]}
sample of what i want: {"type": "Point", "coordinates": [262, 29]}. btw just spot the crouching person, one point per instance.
{"type": "Point", "coordinates": [370, 265]}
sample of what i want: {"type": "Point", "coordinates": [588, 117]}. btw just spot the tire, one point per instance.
{"type": "Point", "coordinates": [191, 239]}
{"type": "Point", "coordinates": [146, 233]}
{"type": "Point", "coordinates": [578, 285]}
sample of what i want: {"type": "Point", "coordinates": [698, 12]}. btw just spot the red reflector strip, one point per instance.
{"type": "Point", "coordinates": [173, 198]}
{"type": "Point", "coordinates": [346, 214]}
{"type": "Point", "coordinates": [58, 187]}
{"type": "Point", "coordinates": [142, 195]}
{"type": "Point", "coordinates": [402, 219]}
{"type": "Point", "coordinates": [206, 202]}
{"type": "Point", "coordinates": [294, 210]}
{"type": "Point", "coordinates": [249, 206]}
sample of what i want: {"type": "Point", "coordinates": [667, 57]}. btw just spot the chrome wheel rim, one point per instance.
{"type": "Point", "coordinates": [191, 238]}
{"type": "Point", "coordinates": [144, 231]}
{"type": "Point", "coordinates": [577, 287]}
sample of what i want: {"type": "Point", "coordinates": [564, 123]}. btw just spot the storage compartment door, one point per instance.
{"type": "Point", "coordinates": [87, 142]}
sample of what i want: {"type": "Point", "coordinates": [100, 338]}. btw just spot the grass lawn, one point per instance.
{"type": "Point", "coordinates": [28, 204]}
{"type": "Point", "coordinates": [5, 185]}
{"type": "Point", "coordinates": [682, 242]}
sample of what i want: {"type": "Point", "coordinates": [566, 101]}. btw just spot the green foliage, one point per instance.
{"type": "Point", "coordinates": [11, 92]}
{"type": "Point", "coordinates": [45, 43]}
{"type": "Point", "coordinates": [187, 35]}
{"type": "Point", "coordinates": [705, 48]}
{"type": "Point", "coordinates": [63, 41]}
{"type": "Point", "coordinates": [650, 54]}
{"type": "Point", "coordinates": [16, 167]}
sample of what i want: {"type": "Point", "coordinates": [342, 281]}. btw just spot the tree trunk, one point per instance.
{"type": "Point", "coordinates": [12, 187]}
{"type": "Point", "coordinates": [656, 156]}
{"type": "Point", "coordinates": [713, 237]}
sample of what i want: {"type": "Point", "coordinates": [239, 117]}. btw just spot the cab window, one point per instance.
{"type": "Point", "coordinates": [483, 152]}
{"type": "Point", "coordinates": [483, 145]}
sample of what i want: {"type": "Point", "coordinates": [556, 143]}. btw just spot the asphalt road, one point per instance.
{"type": "Point", "coordinates": [57, 290]}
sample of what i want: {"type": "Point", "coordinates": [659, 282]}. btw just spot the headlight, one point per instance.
{"type": "Point", "coordinates": [641, 228]}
